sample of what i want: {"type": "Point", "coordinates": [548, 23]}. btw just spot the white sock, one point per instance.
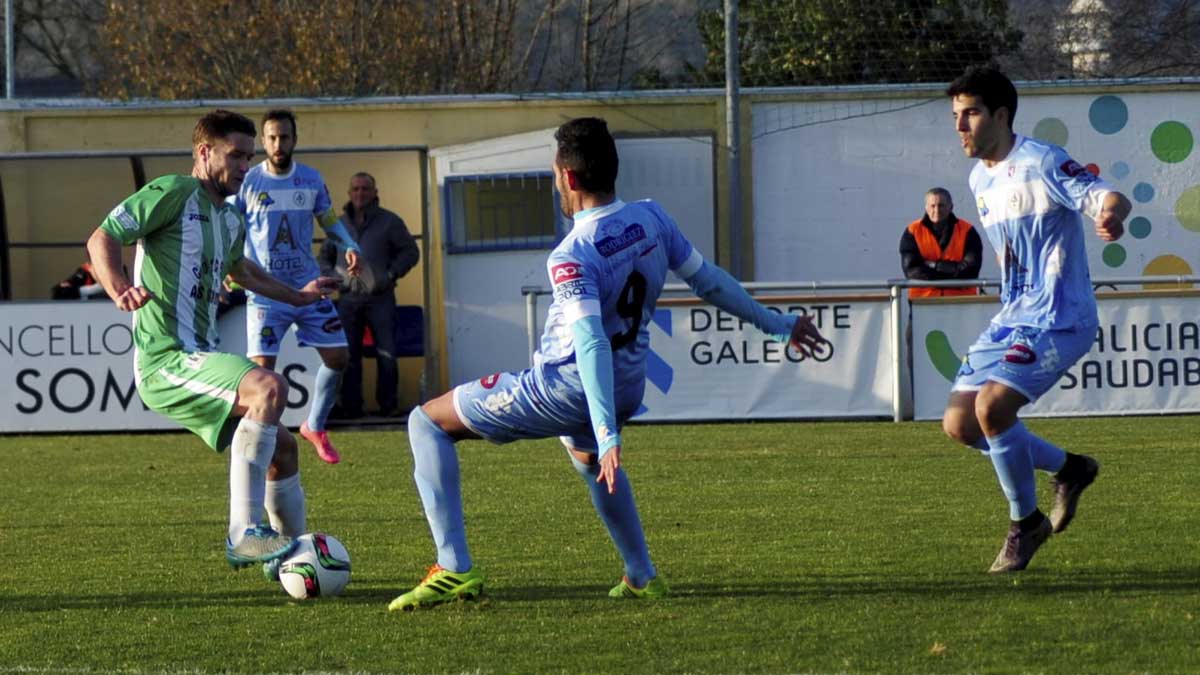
{"type": "Point", "coordinates": [250, 455]}
{"type": "Point", "coordinates": [285, 505]}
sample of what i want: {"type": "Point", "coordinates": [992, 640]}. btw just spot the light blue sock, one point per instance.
{"type": "Point", "coordinates": [435, 469]}
{"type": "Point", "coordinates": [325, 391]}
{"type": "Point", "coordinates": [1045, 455]}
{"type": "Point", "coordinates": [1010, 453]}
{"type": "Point", "coordinates": [620, 516]}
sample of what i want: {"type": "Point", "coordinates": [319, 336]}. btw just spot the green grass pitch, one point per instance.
{"type": "Point", "coordinates": [790, 547]}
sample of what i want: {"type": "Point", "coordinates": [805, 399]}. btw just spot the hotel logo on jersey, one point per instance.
{"type": "Point", "coordinates": [616, 242]}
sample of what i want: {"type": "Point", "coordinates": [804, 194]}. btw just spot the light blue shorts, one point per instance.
{"type": "Point", "coordinates": [1029, 360]}
{"type": "Point", "coordinates": [507, 407]}
{"type": "Point", "coordinates": [317, 325]}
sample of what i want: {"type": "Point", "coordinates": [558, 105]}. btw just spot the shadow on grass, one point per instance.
{"type": "Point", "coordinates": [1112, 582]}
{"type": "Point", "coordinates": [266, 597]}
{"type": "Point", "coordinates": [1031, 582]}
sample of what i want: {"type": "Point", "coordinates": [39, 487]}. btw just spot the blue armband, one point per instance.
{"type": "Point", "coordinates": [714, 285]}
{"type": "Point", "coordinates": [593, 355]}
{"type": "Point", "coordinates": [338, 231]}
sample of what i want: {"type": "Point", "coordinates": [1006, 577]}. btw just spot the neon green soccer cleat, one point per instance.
{"type": "Point", "coordinates": [654, 589]}
{"type": "Point", "coordinates": [440, 585]}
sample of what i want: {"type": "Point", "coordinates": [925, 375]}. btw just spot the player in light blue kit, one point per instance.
{"type": "Point", "coordinates": [588, 376]}
{"type": "Point", "coordinates": [280, 198]}
{"type": "Point", "coordinates": [1029, 195]}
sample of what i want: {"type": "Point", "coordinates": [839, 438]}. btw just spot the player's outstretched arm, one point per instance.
{"type": "Point", "coordinates": [716, 287]}
{"type": "Point", "coordinates": [1110, 224]}
{"type": "Point", "coordinates": [105, 253]}
{"type": "Point", "coordinates": [336, 230]}
{"type": "Point", "coordinates": [247, 274]}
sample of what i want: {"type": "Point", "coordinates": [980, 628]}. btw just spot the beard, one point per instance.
{"type": "Point", "coordinates": [281, 165]}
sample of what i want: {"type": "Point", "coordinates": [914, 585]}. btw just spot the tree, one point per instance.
{"type": "Point", "coordinates": [234, 49]}
{"type": "Point", "coordinates": [54, 40]}
{"type": "Point", "coordinates": [1133, 38]}
{"type": "Point", "coordinates": [608, 34]}
{"type": "Point", "coordinates": [566, 45]}
{"type": "Point", "coordinates": [814, 42]}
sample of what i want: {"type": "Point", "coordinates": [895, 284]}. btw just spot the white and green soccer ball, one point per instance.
{"type": "Point", "coordinates": [319, 567]}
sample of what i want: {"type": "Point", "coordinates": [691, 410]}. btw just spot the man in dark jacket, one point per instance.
{"type": "Point", "coordinates": [388, 252]}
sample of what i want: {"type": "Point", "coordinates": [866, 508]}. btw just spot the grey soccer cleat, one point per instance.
{"type": "Point", "coordinates": [1019, 547]}
{"type": "Point", "coordinates": [259, 544]}
{"type": "Point", "coordinates": [1069, 484]}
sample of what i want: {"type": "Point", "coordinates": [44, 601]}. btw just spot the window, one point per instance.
{"type": "Point", "coordinates": [501, 212]}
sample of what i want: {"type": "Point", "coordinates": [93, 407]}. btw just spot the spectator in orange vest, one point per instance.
{"type": "Point", "coordinates": [939, 247]}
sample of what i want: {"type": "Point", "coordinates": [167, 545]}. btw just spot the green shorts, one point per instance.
{"type": "Point", "coordinates": [196, 389]}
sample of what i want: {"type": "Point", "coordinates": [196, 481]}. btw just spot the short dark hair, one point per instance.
{"type": "Point", "coordinates": [588, 150]}
{"type": "Point", "coordinates": [941, 192]}
{"type": "Point", "coordinates": [991, 86]}
{"type": "Point", "coordinates": [278, 115]}
{"type": "Point", "coordinates": [364, 174]}
{"type": "Point", "coordinates": [218, 124]}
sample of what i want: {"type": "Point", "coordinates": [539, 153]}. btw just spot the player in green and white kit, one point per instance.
{"type": "Point", "coordinates": [188, 238]}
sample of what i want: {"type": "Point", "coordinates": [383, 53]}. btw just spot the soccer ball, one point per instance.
{"type": "Point", "coordinates": [318, 567]}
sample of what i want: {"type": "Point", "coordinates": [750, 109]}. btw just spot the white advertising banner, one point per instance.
{"type": "Point", "coordinates": [1145, 359]}
{"type": "Point", "coordinates": [706, 365]}
{"type": "Point", "coordinates": [68, 366]}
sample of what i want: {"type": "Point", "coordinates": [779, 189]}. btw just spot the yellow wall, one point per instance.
{"type": "Point", "coordinates": [64, 200]}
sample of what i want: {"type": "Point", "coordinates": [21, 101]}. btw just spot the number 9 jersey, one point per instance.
{"type": "Point", "coordinates": [613, 264]}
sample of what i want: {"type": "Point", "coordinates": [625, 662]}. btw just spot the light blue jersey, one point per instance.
{"type": "Point", "coordinates": [613, 265]}
{"type": "Point", "coordinates": [1029, 206]}
{"type": "Point", "coordinates": [610, 269]}
{"type": "Point", "coordinates": [280, 211]}
{"type": "Point", "coordinates": [590, 373]}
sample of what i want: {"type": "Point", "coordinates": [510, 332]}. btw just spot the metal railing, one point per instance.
{"type": "Point", "coordinates": [894, 289]}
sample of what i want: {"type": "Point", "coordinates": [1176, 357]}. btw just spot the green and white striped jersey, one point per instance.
{"type": "Point", "coordinates": [185, 246]}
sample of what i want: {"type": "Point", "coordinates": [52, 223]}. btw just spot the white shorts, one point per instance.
{"type": "Point", "coordinates": [507, 407]}
{"type": "Point", "coordinates": [1028, 360]}
{"type": "Point", "coordinates": [317, 325]}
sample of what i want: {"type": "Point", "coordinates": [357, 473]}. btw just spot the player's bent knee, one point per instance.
{"type": "Point", "coordinates": [420, 422]}
{"type": "Point", "coordinates": [954, 424]}
{"type": "Point", "coordinates": [586, 463]}
{"type": "Point", "coordinates": [993, 411]}
{"type": "Point", "coordinates": [272, 390]}
{"type": "Point", "coordinates": [442, 416]}
{"type": "Point", "coordinates": [585, 457]}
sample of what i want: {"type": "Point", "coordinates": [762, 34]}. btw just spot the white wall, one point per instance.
{"type": "Point", "coordinates": [836, 182]}
{"type": "Point", "coordinates": [485, 311]}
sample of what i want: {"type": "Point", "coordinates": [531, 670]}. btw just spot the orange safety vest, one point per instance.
{"type": "Point", "coordinates": [930, 250]}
